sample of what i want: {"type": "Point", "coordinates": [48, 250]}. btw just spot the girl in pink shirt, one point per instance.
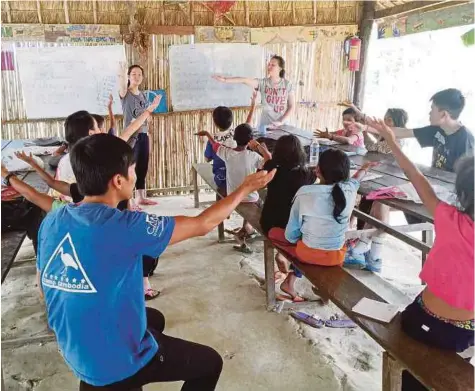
{"type": "Point", "coordinates": [443, 314]}
{"type": "Point", "coordinates": [351, 133]}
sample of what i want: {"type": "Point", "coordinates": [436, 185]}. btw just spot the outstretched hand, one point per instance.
{"type": "Point", "coordinates": [221, 79]}
{"type": "Point", "coordinates": [369, 165]}
{"type": "Point", "coordinates": [347, 103]}
{"type": "Point", "coordinates": [258, 180]}
{"type": "Point", "coordinates": [5, 172]}
{"type": "Point", "coordinates": [384, 130]}
{"type": "Point", "coordinates": [322, 134]}
{"type": "Point", "coordinates": [202, 133]}
{"type": "Point", "coordinates": [26, 158]}
{"type": "Point", "coordinates": [155, 103]}
{"type": "Point", "coordinates": [254, 98]}
{"type": "Point", "coordinates": [111, 101]}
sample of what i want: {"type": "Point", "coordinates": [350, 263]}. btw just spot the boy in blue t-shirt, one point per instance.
{"type": "Point", "coordinates": [90, 268]}
{"type": "Point", "coordinates": [223, 119]}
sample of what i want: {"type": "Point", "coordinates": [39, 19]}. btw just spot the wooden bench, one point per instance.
{"type": "Point", "coordinates": [436, 369]}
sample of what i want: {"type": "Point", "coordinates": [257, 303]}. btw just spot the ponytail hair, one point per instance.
{"type": "Point", "coordinates": [131, 68]}
{"type": "Point", "coordinates": [334, 167]}
{"type": "Point", "coordinates": [281, 63]}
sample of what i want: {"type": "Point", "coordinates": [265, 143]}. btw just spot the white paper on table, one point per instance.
{"type": "Point", "coordinates": [325, 141]}
{"type": "Point", "coordinates": [13, 164]}
{"type": "Point", "coordinates": [383, 312]}
{"type": "Point", "coordinates": [37, 150]}
{"type": "Point", "coordinates": [442, 192]}
{"type": "Point", "coordinates": [368, 177]}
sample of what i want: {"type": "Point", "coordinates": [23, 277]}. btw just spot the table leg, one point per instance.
{"type": "Point", "coordinates": [269, 274]}
{"type": "Point", "coordinates": [392, 373]}
{"type": "Point", "coordinates": [221, 236]}
{"type": "Point", "coordinates": [428, 238]}
{"type": "Point", "coordinates": [195, 188]}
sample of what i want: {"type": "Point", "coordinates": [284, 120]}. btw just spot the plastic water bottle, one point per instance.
{"type": "Point", "coordinates": [262, 130]}
{"type": "Point", "coordinates": [314, 152]}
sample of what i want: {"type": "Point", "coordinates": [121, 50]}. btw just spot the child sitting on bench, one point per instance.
{"type": "Point", "coordinates": [443, 314]}
{"type": "Point", "coordinates": [351, 133]}
{"type": "Point", "coordinates": [319, 217]}
{"type": "Point", "coordinates": [290, 161]}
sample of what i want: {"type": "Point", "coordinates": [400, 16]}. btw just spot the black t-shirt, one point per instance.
{"type": "Point", "coordinates": [281, 192]}
{"type": "Point", "coordinates": [78, 197]}
{"type": "Point", "coordinates": [447, 148]}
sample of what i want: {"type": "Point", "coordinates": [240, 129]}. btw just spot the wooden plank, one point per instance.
{"type": "Point", "coordinates": [269, 274]}
{"type": "Point", "coordinates": [392, 373]}
{"type": "Point", "coordinates": [17, 342]}
{"type": "Point", "coordinates": [196, 192]}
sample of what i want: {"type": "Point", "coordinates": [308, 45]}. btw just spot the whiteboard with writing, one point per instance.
{"type": "Point", "coordinates": [192, 68]}
{"type": "Point", "coordinates": [58, 81]}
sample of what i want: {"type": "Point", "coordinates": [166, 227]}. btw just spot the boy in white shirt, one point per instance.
{"type": "Point", "coordinates": [240, 162]}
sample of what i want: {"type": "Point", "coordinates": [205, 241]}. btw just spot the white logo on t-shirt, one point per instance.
{"type": "Point", "coordinates": [154, 224]}
{"type": "Point", "coordinates": [64, 270]}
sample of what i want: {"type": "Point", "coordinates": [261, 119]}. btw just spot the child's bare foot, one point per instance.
{"type": "Point", "coordinates": [288, 286]}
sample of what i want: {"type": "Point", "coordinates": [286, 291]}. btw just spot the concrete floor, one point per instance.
{"type": "Point", "coordinates": [211, 295]}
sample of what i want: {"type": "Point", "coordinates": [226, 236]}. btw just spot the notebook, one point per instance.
{"type": "Point", "coordinates": [377, 310]}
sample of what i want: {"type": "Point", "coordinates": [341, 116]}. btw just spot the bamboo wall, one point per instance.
{"type": "Point", "coordinates": [317, 69]}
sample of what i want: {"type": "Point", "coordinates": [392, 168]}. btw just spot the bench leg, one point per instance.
{"type": "Point", "coordinates": [221, 237]}
{"type": "Point", "coordinates": [392, 373]}
{"type": "Point", "coordinates": [195, 188]}
{"type": "Point", "coordinates": [269, 274]}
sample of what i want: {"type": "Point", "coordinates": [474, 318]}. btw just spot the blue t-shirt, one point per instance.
{"type": "Point", "coordinates": [90, 260]}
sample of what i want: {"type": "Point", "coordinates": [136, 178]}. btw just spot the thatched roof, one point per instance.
{"type": "Point", "coordinates": [181, 13]}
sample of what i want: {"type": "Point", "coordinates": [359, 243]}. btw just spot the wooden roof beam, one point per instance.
{"type": "Point", "coordinates": [415, 6]}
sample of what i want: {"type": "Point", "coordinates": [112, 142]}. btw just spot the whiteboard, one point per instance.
{"type": "Point", "coordinates": [58, 81]}
{"type": "Point", "coordinates": [191, 68]}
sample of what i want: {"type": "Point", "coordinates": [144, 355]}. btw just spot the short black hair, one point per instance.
{"type": "Point", "coordinates": [288, 152]}
{"type": "Point", "coordinates": [350, 111]}
{"type": "Point", "coordinates": [399, 117]}
{"type": "Point", "coordinates": [450, 100]}
{"type": "Point", "coordinates": [96, 159]}
{"type": "Point", "coordinates": [243, 134]}
{"type": "Point", "coordinates": [99, 119]}
{"type": "Point", "coordinates": [77, 126]}
{"type": "Point", "coordinates": [223, 117]}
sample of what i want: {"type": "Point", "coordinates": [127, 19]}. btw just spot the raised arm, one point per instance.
{"type": "Point", "coordinates": [123, 79]}
{"type": "Point", "coordinates": [374, 127]}
{"type": "Point", "coordinates": [59, 186]}
{"type": "Point", "coordinates": [137, 124]}
{"type": "Point", "coordinates": [339, 139]}
{"type": "Point", "coordinates": [253, 83]}
{"type": "Point", "coordinates": [360, 174]}
{"type": "Point", "coordinates": [421, 184]}
{"type": "Point", "coordinates": [261, 148]}
{"type": "Point", "coordinates": [188, 227]}
{"type": "Point", "coordinates": [43, 201]}
{"type": "Point", "coordinates": [111, 113]}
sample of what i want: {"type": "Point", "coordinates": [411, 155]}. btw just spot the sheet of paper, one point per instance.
{"type": "Point", "coordinates": [383, 312]}
{"type": "Point", "coordinates": [368, 177]}
{"type": "Point", "coordinates": [443, 193]}
{"type": "Point", "coordinates": [13, 164]}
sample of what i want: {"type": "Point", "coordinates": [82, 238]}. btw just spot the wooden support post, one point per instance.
{"type": "Point", "coordinates": [365, 27]}
{"type": "Point", "coordinates": [66, 11]}
{"type": "Point", "coordinates": [192, 14]}
{"type": "Point", "coordinates": [294, 14]}
{"type": "Point", "coordinates": [337, 11]}
{"type": "Point", "coordinates": [38, 9]}
{"type": "Point", "coordinates": [269, 274]}
{"type": "Point", "coordinates": [392, 373]}
{"type": "Point", "coordinates": [196, 190]}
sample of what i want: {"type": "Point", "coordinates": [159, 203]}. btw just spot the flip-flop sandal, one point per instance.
{"type": "Point", "coordinates": [288, 298]}
{"type": "Point", "coordinates": [151, 294]}
{"type": "Point", "coordinates": [340, 324]}
{"type": "Point", "coordinates": [308, 319]}
{"type": "Point", "coordinates": [243, 248]}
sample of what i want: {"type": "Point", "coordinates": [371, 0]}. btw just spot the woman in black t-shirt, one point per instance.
{"type": "Point", "coordinates": [289, 158]}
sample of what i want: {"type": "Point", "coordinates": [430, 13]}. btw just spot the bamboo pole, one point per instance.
{"type": "Point", "coordinates": [246, 13]}
{"type": "Point", "coordinates": [314, 9]}
{"type": "Point", "coordinates": [294, 15]}
{"type": "Point", "coordinates": [94, 10]}
{"type": "Point", "coordinates": [192, 14]}
{"type": "Point", "coordinates": [271, 18]}
{"type": "Point", "coordinates": [38, 10]}
{"type": "Point", "coordinates": [9, 14]}
{"type": "Point", "coordinates": [66, 11]}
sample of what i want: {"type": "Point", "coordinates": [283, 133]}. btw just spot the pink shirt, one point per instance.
{"type": "Point", "coordinates": [352, 132]}
{"type": "Point", "coordinates": [448, 270]}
